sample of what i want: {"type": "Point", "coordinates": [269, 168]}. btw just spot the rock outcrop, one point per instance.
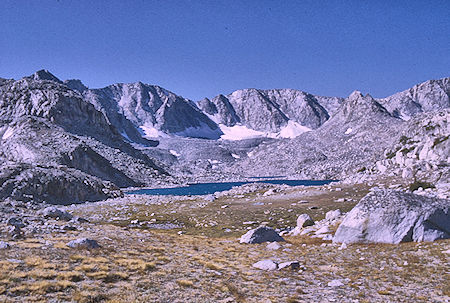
{"type": "Point", "coordinates": [388, 216]}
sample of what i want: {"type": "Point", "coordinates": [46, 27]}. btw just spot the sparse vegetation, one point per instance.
{"type": "Point", "coordinates": [439, 140]}
{"type": "Point", "coordinates": [419, 184]}
{"type": "Point", "coordinates": [207, 264]}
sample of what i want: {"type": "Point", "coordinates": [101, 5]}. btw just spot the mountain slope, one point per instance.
{"type": "Point", "coordinates": [428, 96]}
{"type": "Point", "coordinates": [350, 140]}
{"type": "Point", "coordinates": [152, 110]}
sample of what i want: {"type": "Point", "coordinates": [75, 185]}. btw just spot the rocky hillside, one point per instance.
{"type": "Point", "coordinates": [50, 138]}
{"type": "Point", "coordinates": [428, 96]}
{"type": "Point", "coordinates": [422, 152]}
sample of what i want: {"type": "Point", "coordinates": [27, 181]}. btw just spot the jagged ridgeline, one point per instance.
{"type": "Point", "coordinates": [61, 142]}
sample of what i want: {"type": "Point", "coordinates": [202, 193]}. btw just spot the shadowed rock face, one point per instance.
{"type": "Point", "coordinates": [387, 216]}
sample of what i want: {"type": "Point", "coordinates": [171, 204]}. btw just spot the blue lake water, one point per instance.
{"type": "Point", "coordinates": [210, 188]}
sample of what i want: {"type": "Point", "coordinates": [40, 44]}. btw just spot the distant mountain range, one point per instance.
{"type": "Point", "coordinates": [138, 109]}
{"type": "Point", "coordinates": [57, 135]}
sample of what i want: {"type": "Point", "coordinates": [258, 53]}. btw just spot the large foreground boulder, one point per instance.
{"type": "Point", "coordinates": [388, 216]}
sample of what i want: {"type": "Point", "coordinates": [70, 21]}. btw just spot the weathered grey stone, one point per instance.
{"type": "Point", "coordinates": [304, 220]}
{"type": "Point", "coordinates": [273, 246]}
{"type": "Point", "coordinates": [4, 245]}
{"type": "Point", "coordinates": [266, 265]}
{"type": "Point", "coordinates": [56, 213]}
{"type": "Point", "coordinates": [260, 235]}
{"type": "Point", "coordinates": [335, 283]}
{"type": "Point", "coordinates": [17, 222]}
{"type": "Point", "coordinates": [83, 243]}
{"type": "Point", "coordinates": [291, 264]}
{"type": "Point", "coordinates": [389, 216]}
{"type": "Point", "coordinates": [333, 214]}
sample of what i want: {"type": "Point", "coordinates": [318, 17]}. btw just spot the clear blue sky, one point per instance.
{"type": "Point", "coordinates": [202, 48]}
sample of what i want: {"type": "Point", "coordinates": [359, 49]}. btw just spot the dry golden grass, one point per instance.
{"type": "Point", "coordinates": [185, 283]}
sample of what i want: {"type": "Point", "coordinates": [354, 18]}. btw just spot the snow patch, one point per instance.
{"type": "Point", "coordinates": [173, 152]}
{"type": "Point", "coordinates": [239, 132]}
{"type": "Point", "coordinates": [292, 130]}
{"type": "Point", "coordinates": [151, 132]}
{"type": "Point", "coordinates": [235, 156]}
{"type": "Point", "coordinates": [348, 131]}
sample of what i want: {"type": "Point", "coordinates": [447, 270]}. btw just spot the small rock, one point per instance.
{"type": "Point", "coordinates": [294, 265]}
{"type": "Point", "coordinates": [304, 220]}
{"type": "Point", "coordinates": [323, 230]}
{"type": "Point", "coordinates": [4, 245]}
{"type": "Point", "coordinates": [260, 235]}
{"type": "Point", "coordinates": [56, 213]}
{"type": "Point", "coordinates": [333, 214]}
{"type": "Point", "coordinates": [335, 283]}
{"type": "Point", "coordinates": [273, 245]}
{"type": "Point", "coordinates": [80, 220]}
{"type": "Point", "coordinates": [15, 232]}
{"type": "Point", "coordinates": [83, 243]}
{"type": "Point", "coordinates": [13, 221]}
{"type": "Point", "coordinates": [343, 246]}
{"type": "Point", "coordinates": [69, 227]}
{"type": "Point", "coordinates": [266, 265]}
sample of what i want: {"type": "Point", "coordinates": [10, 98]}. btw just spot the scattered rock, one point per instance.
{"type": "Point", "coordinates": [16, 222]}
{"type": "Point", "coordinates": [304, 220]}
{"type": "Point", "coordinates": [260, 235]}
{"type": "Point", "coordinates": [56, 213]}
{"type": "Point", "coordinates": [333, 214]}
{"type": "Point", "coordinates": [4, 245]}
{"type": "Point", "coordinates": [273, 246]}
{"type": "Point", "coordinates": [323, 230]}
{"type": "Point", "coordinates": [335, 283]}
{"type": "Point", "coordinates": [15, 232]}
{"type": "Point", "coordinates": [388, 216]}
{"type": "Point", "coordinates": [343, 246]}
{"type": "Point", "coordinates": [266, 265]}
{"type": "Point", "coordinates": [69, 227]}
{"type": "Point", "coordinates": [83, 243]}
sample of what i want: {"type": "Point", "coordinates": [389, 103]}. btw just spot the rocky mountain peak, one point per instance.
{"type": "Point", "coordinates": [75, 84]}
{"type": "Point", "coordinates": [355, 95]}
{"type": "Point", "coordinates": [44, 74]}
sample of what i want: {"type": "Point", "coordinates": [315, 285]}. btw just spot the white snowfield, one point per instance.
{"type": "Point", "coordinates": [241, 132]}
